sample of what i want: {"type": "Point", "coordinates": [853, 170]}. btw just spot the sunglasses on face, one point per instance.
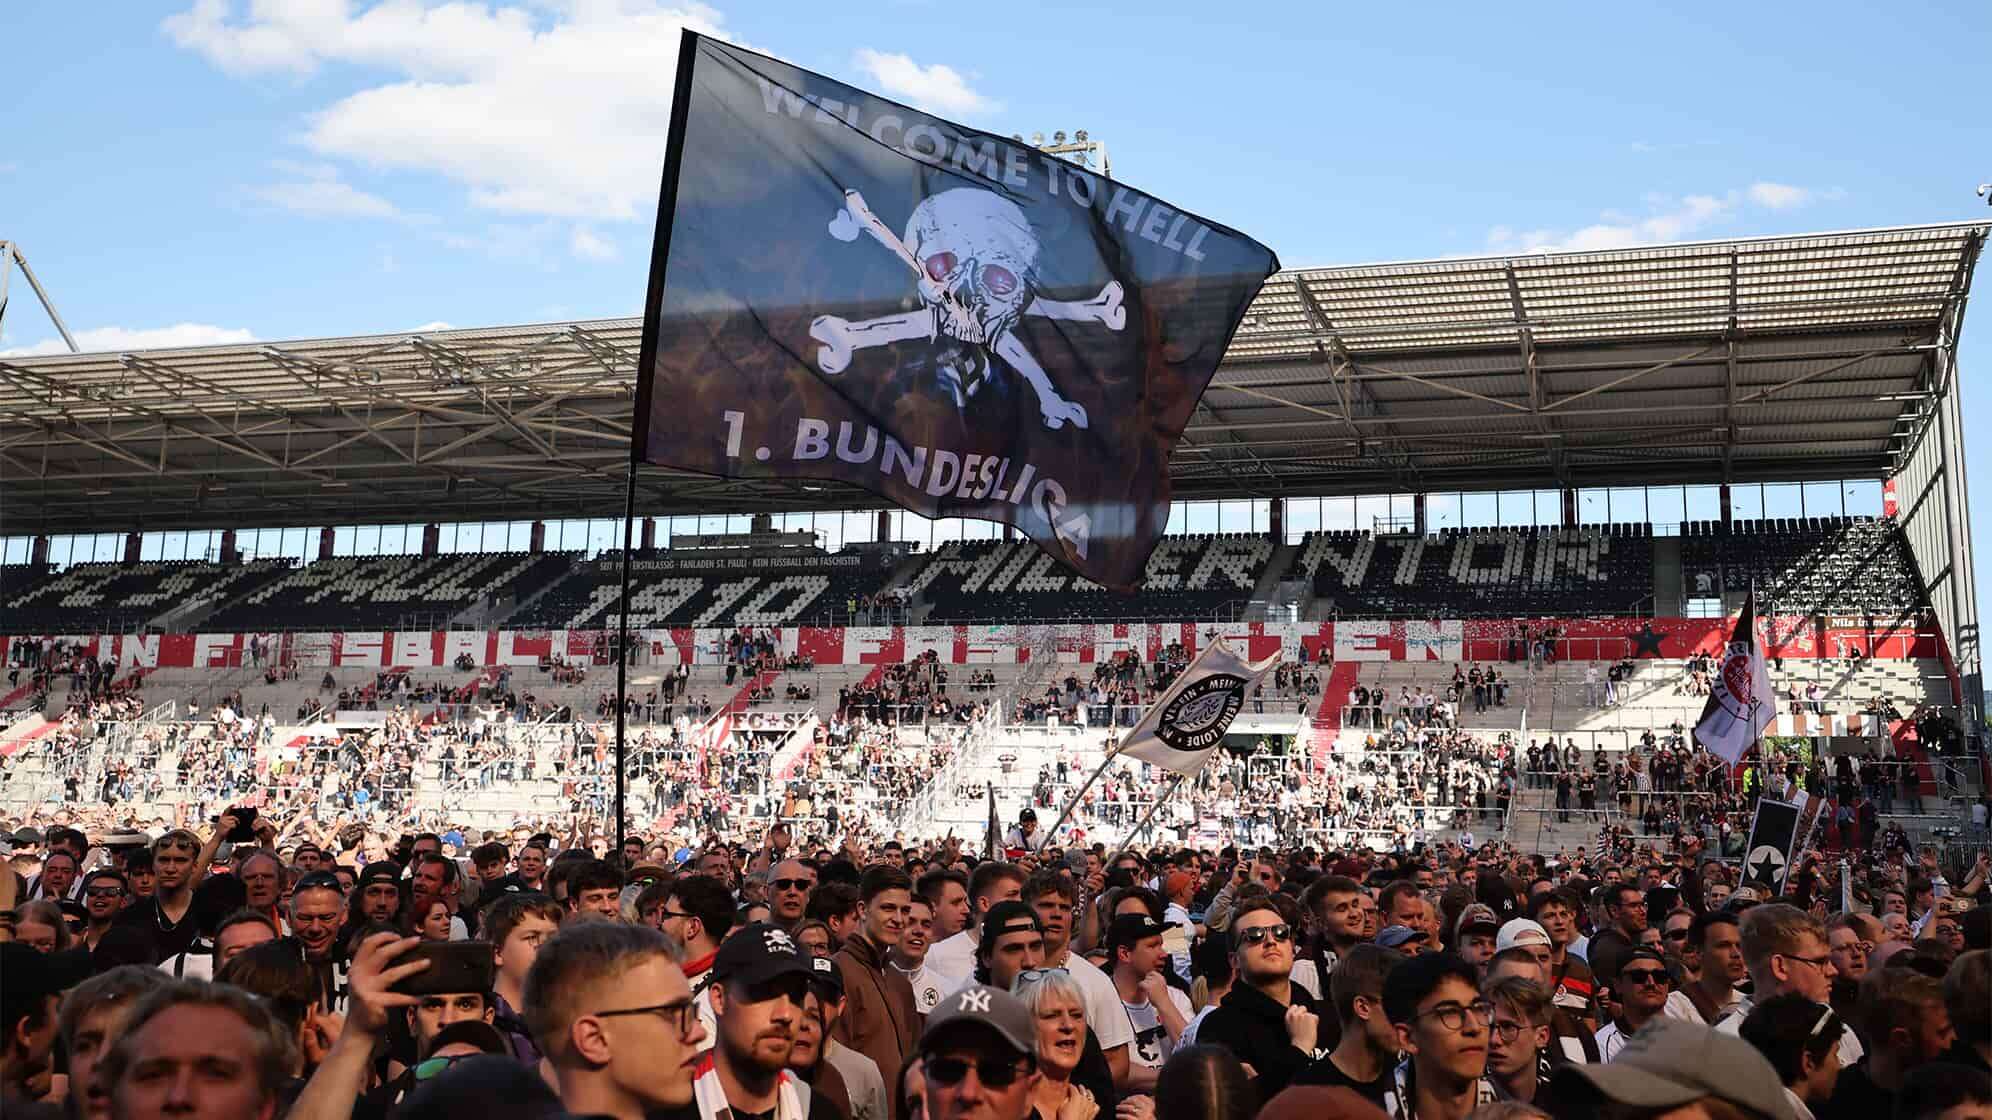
{"type": "Point", "coordinates": [996, 1073]}
{"type": "Point", "coordinates": [105, 892]}
{"type": "Point", "coordinates": [1257, 934]}
{"type": "Point", "coordinates": [804, 885]}
{"type": "Point", "coordinates": [1653, 976]}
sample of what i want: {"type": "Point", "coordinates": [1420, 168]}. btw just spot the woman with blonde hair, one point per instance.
{"type": "Point", "coordinates": [1058, 1007]}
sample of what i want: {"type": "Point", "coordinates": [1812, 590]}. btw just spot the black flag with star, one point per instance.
{"type": "Point", "coordinates": [848, 289]}
{"type": "Point", "coordinates": [1767, 858]}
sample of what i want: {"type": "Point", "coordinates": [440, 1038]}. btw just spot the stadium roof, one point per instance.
{"type": "Point", "coordinates": [1779, 358]}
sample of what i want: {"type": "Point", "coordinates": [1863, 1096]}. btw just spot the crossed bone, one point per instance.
{"type": "Point", "coordinates": [840, 338]}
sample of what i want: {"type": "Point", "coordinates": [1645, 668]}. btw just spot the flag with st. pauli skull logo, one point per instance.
{"type": "Point", "coordinates": [1188, 721]}
{"type": "Point", "coordinates": [850, 290]}
{"type": "Point", "coordinates": [1740, 704]}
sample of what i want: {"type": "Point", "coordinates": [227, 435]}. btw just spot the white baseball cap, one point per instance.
{"type": "Point", "coordinates": [1520, 931]}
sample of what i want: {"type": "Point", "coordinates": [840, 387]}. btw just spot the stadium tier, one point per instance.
{"type": "Point", "coordinates": [118, 598]}
{"type": "Point", "coordinates": [1481, 573]}
{"type": "Point", "coordinates": [1803, 564]}
{"type": "Point", "coordinates": [425, 592]}
{"type": "Point", "coordinates": [1198, 576]}
{"type": "Point", "coordinates": [1858, 567]}
{"type": "Point", "coordinates": [689, 590]}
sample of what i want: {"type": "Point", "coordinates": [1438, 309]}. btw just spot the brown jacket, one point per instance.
{"type": "Point", "coordinates": [880, 1020]}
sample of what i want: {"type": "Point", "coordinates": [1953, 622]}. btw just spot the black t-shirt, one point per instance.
{"type": "Point", "coordinates": [169, 939]}
{"type": "Point", "coordinates": [1326, 1072]}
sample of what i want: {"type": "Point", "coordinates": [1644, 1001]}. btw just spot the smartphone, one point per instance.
{"type": "Point", "coordinates": [454, 966]}
{"type": "Point", "coordinates": [245, 825]}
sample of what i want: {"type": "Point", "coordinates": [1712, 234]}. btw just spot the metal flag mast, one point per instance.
{"type": "Point", "coordinates": [674, 154]}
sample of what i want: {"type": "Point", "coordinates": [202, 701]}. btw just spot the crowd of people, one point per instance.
{"type": "Point", "coordinates": [265, 967]}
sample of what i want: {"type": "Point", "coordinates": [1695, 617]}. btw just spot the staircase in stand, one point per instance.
{"type": "Point", "coordinates": [1326, 723]}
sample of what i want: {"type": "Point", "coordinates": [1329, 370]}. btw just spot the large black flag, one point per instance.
{"type": "Point", "coordinates": [844, 288]}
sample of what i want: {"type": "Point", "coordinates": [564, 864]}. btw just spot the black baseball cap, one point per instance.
{"type": "Point", "coordinates": [1008, 917]}
{"type": "Point", "coordinates": [1127, 929]}
{"type": "Point", "coordinates": [757, 953]}
{"type": "Point", "coordinates": [381, 872]}
{"type": "Point", "coordinates": [824, 977]}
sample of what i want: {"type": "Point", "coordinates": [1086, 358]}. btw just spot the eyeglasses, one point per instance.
{"type": "Point", "coordinates": [1452, 1016]}
{"type": "Point", "coordinates": [435, 1066]}
{"type": "Point", "coordinates": [1033, 975]}
{"type": "Point", "coordinates": [996, 1074]}
{"type": "Point", "coordinates": [1507, 1030]}
{"type": "Point", "coordinates": [1657, 977]}
{"type": "Point", "coordinates": [1257, 934]}
{"type": "Point", "coordinates": [679, 1014]}
{"type": "Point", "coordinates": [1676, 935]}
{"type": "Point", "coordinates": [803, 885]}
{"type": "Point", "coordinates": [1816, 962]}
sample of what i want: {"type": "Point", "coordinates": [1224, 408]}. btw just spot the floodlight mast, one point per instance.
{"type": "Point", "coordinates": [1081, 149]}
{"type": "Point", "coordinates": [10, 255]}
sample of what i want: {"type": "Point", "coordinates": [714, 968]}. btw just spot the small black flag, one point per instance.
{"type": "Point", "coordinates": [1767, 857]}
{"type": "Point", "coordinates": [847, 289]}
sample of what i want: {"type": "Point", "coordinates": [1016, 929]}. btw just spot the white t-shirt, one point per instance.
{"type": "Point", "coordinates": [927, 987]}
{"type": "Point", "coordinates": [952, 960]}
{"type": "Point", "coordinates": [1104, 1012]}
{"type": "Point", "coordinates": [1152, 1046]}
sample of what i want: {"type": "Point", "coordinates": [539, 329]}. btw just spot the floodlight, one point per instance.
{"type": "Point", "coordinates": [1058, 137]}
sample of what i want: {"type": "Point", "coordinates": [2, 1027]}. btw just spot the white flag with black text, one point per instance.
{"type": "Point", "coordinates": [1188, 722]}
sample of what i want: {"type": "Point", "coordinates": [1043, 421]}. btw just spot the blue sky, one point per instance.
{"type": "Point", "coordinates": [216, 171]}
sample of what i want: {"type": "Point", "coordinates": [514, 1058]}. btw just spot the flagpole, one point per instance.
{"type": "Point", "coordinates": [1066, 815]}
{"type": "Point", "coordinates": [1141, 826]}
{"type": "Point", "coordinates": [653, 326]}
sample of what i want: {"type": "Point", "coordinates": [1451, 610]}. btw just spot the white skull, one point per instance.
{"type": "Point", "coordinates": [977, 245]}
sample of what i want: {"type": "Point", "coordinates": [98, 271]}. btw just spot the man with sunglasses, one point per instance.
{"type": "Point", "coordinates": [789, 892]}
{"type": "Point", "coordinates": [760, 981]}
{"type": "Point", "coordinates": [104, 895]}
{"type": "Point", "coordinates": [1266, 1020]}
{"type": "Point", "coordinates": [979, 1057]}
{"type": "Point", "coordinates": [1643, 986]}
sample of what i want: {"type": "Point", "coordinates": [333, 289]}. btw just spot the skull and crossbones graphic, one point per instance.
{"type": "Point", "coordinates": [974, 258]}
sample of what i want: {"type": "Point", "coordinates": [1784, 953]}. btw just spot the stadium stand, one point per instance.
{"type": "Point", "coordinates": [1602, 570]}
{"type": "Point", "coordinates": [1188, 577]}
{"type": "Point", "coordinates": [688, 595]}
{"type": "Point", "coordinates": [115, 598]}
{"type": "Point", "coordinates": [359, 592]}
{"type": "Point", "coordinates": [1804, 564]}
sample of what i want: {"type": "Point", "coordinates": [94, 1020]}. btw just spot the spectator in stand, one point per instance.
{"type": "Point", "coordinates": [1901, 1013]}
{"type": "Point", "coordinates": [1367, 1052]}
{"type": "Point", "coordinates": [1264, 1021]}
{"type": "Point", "coordinates": [880, 1019]}
{"type": "Point", "coordinates": [1801, 1040]}
{"type": "Point", "coordinates": [194, 1048]}
{"type": "Point", "coordinates": [760, 982]}
{"type": "Point", "coordinates": [615, 1019]}
{"type": "Point", "coordinates": [1443, 1025]}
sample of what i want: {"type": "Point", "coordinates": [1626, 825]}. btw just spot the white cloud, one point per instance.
{"type": "Point", "coordinates": [1666, 218]}
{"type": "Point", "coordinates": [1778, 196]}
{"type": "Point", "coordinates": [589, 247]}
{"type": "Point", "coordinates": [325, 198]}
{"type": "Point", "coordinates": [534, 109]}
{"type": "Point", "coordinates": [438, 325]}
{"type": "Point", "coordinates": [118, 339]}
{"type": "Point", "coordinates": [937, 87]}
